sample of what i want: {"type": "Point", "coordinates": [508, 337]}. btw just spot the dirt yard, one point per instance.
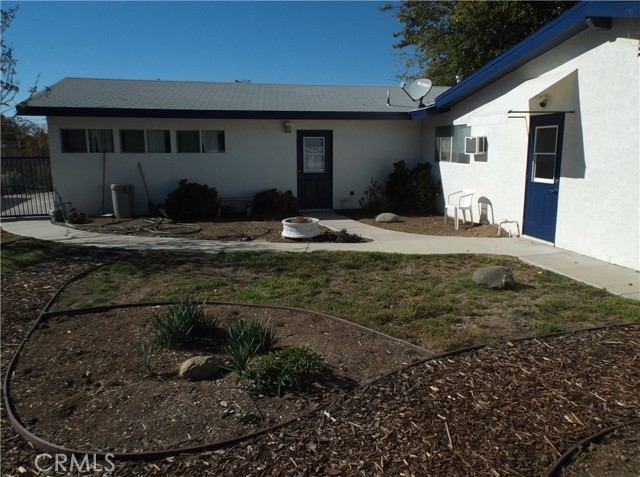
{"type": "Point", "coordinates": [269, 229]}
{"type": "Point", "coordinates": [93, 388]}
{"type": "Point", "coordinates": [508, 409]}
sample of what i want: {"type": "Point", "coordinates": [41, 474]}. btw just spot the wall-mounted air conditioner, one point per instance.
{"type": "Point", "coordinates": [475, 145]}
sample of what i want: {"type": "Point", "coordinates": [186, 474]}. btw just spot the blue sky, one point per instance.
{"type": "Point", "coordinates": [347, 43]}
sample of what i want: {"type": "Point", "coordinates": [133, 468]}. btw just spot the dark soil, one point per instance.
{"type": "Point", "coordinates": [80, 379]}
{"type": "Point", "coordinates": [428, 224]}
{"type": "Point", "coordinates": [242, 228]}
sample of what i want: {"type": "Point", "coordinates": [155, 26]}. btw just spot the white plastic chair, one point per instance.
{"type": "Point", "coordinates": [462, 204]}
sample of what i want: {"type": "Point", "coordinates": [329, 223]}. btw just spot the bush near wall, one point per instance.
{"type": "Point", "coordinates": [191, 201]}
{"type": "Point", "coordinates": [275, 202]}
{"type": "Point", "coordinates": [412, 190]}
{"type": "Point", "coordinates": [375, 200]}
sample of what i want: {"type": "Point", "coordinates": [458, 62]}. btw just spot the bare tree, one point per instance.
{"type": "Point", "coordinates": [9, 84]}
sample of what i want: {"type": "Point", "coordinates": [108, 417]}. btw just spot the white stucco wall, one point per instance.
{"type": "Point", "coordinates": [259, 155]}
{"type": "Point", "coordinates": [599, 198]}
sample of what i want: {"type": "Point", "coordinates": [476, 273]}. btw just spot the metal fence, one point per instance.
{"type": "Point", "coordinates": [26, 186]}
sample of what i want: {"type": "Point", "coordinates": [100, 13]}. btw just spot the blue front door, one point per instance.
{"type": "Point", "coordinates": [543, 176]}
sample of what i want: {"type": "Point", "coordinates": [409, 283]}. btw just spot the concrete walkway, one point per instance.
{"type": "Point", "coordinates": [615, 279]}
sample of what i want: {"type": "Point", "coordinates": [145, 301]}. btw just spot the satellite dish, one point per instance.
{"type": "Point", "coordinates": [418, 89]}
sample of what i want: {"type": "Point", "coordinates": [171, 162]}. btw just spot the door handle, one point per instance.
{"type": "Point", "coordinates": [553, 191]}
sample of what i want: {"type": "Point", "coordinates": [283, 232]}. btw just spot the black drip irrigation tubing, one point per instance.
{"type": "Point", "coordinates": [47, 446]}
{"type": "Point", "coordinates": [565, 459]}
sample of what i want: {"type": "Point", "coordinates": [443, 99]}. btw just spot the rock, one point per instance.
{"type": "Point", "coordinates": [495, 278]}
{"type": "Point", "coordinates": [200, 367]}
{"type": "Point", "coordinates": [387, 218]}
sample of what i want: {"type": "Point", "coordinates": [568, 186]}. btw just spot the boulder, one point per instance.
{"type": "Point", "coordinates": [200, 367]}
{"type": "Point", "coordinates": [495, 278]}
{"type": "Point", "coordinates": [387, 218]}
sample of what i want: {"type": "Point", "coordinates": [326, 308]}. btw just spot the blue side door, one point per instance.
{"type": "Point", "coordinates": [543, 176]}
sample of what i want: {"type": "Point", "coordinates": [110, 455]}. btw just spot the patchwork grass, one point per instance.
{"type": "Point", "coordinates": [429, 300]}
{"type": "Point", "coordinates": [28, 251]}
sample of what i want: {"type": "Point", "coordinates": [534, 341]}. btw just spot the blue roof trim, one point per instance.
{"type": "Point", "coordinates": [558, 31]}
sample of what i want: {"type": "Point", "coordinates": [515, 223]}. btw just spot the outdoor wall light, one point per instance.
{"type": "Point", "coordinates": [287, 126]}
{"type": "Point", "coordinates": [543, 101]}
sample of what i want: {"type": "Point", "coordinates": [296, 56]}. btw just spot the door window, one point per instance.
{"type": "Point", "coordinates": [314, 155]}
{"type": "Point", "coordinates": [545, 154]}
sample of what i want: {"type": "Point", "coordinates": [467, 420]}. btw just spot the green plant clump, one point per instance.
{"type": "Point", "coordinates": [246, 418]}
{"type": "Point", "coordinates": [185, 320]}
{"type": "Point", "coordinates": [191, 201]}
{"type": "Point", "coordinates": [287, 370]}
{"type": "Point", "coordinates": [374, 201]}
{"type": "Point", "coordinates": [412, 190]}
{"type": "Point", "coordinates": [275, 202]}
{"type": "Point", "coordinates": [145, 351]}
{"type": "Point", "coordinates": [247, 338]}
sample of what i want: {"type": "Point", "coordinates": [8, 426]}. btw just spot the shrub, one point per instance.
{"type": "Point", "coordinates": [374, 201]}
{"type": "Point", "coordinates": [76, 217]}
{"type": "Point", "coordinates": [185, 319]}
{"type": "Point", "coordinates": [290, 369]}
{"type": "Point", "coordinates": [191, 201]}
{"type": "Point", "coordinates": [273, 201]}
{"type": "Point", "coordinates": [345, 237]}
{"type": "Point", "coordinates": [412, 190]}
{"type": "Point", "coordinates": [245, 339]}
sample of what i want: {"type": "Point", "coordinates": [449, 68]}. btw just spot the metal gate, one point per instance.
{"type": "Point", "coordinates": [26, 186]}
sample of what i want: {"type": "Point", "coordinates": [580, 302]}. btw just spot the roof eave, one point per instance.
{"type": "Point", "coordinates": [425, 113]}
{"type": "Point", "coordinates": [26, 110]}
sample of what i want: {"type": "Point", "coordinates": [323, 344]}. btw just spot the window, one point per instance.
{"type": "Point", "coordinates": [158, 140]}
{"type": "Point", "coordinates": [544, 163]}
{"type": "Point", "coordinates": [132, 140]}
{"type": "Point", "coordinates": [444, 141]}
{"type": "Point", "coordinates": [213, 141]}
{"type": "Point", "coordinates": [188, 141]}
{"type": "Point", "coordinates": [100, 140]}
{"type": "Point", "coordinates": [450, 143]}
{"type": "Point", "coordinates": [73, 140]}
{"type": "Point", "coordinates": [314, 158]}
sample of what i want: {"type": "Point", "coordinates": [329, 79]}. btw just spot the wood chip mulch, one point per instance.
{"type": "Point", "coordinates": [508, 409]}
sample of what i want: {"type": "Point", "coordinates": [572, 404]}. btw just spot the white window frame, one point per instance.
{"type": "Point", "coordinates": [62, 141]}
{"type": "Point", "coordinates": [199, 146]}
{"type": "Point", "coordinates": [144, 141]}
{"type": "Point", "coordinates": [218, 133]}
{"type": "Point", "coordinates": [452, 145]}
{"type": "Point", "coordinates": [167, 132]}
{"type": "Point", "coordinates": [542, 180]}
{"type": "Point", "coordinates": [90, 143]}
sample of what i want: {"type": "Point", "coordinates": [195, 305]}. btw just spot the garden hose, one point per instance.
{"type": "Point", "coordinates": [154, 227]}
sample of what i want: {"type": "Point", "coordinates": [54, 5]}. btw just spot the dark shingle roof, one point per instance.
{"type": "Point", "coordinates": [142, 98]}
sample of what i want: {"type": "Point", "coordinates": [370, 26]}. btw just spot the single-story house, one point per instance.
{"type": "Point", "coordinates": [324, 143]}
{"type": "Point", "coordinates": [547, 134]}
